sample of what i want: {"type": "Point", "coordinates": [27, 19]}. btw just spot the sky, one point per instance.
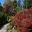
{"type": "Point", "coordinates": [2, 1]}
{"type": "Point", "coordinates": [22, 2]}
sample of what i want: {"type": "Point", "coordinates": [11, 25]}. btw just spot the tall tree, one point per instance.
{"type": "Point", "coordinates": [31, 3]}
{"type": "Point", "coordinates": [15, 3]}
{"type": "Point", "coordinates": [26, 3]}
{"type": "Point", "coordinates": [1, 7]}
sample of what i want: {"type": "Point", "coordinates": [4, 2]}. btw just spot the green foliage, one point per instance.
{"type": "Point", "coordinates": [18, 9]}
{"type": "Point", "coordinates": [1, 8]}
{"type": "Point", "coordinates": [3, 17]}
{"type": "Point", "coordinates": [1, 14]}
{"type": "Point", "coordinates": [26, 3]}
{"type": "Point", "coordinates": [31, 3]}
{"type": "Point", "coordinates": [15, 3]}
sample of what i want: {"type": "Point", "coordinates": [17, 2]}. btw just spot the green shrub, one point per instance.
{"type": "Point", "coordinates": [3, 18]}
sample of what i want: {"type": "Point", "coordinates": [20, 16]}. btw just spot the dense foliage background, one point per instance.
{"type": "Point", "coordinates": [10, 8]}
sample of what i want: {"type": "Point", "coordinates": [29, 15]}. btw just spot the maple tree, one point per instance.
{"type": "Point", "coordinates": [23, 20]}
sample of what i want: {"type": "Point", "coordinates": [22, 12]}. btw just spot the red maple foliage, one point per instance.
{"type": "Point", "coordinates": [23, 20]}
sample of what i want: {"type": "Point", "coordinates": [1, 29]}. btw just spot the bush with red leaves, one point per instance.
{"type": "Point", "coordinates": [23, 20]}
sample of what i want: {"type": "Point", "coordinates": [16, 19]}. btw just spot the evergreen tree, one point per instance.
{"type": "Point", "coordinates": [1, 7]}
{"type": "Point", "coordinates": [26, 3]}
{"type": "Point", "coordinates": [15, 3]}
{"type": "Point", "coordinates": [31, 3]}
